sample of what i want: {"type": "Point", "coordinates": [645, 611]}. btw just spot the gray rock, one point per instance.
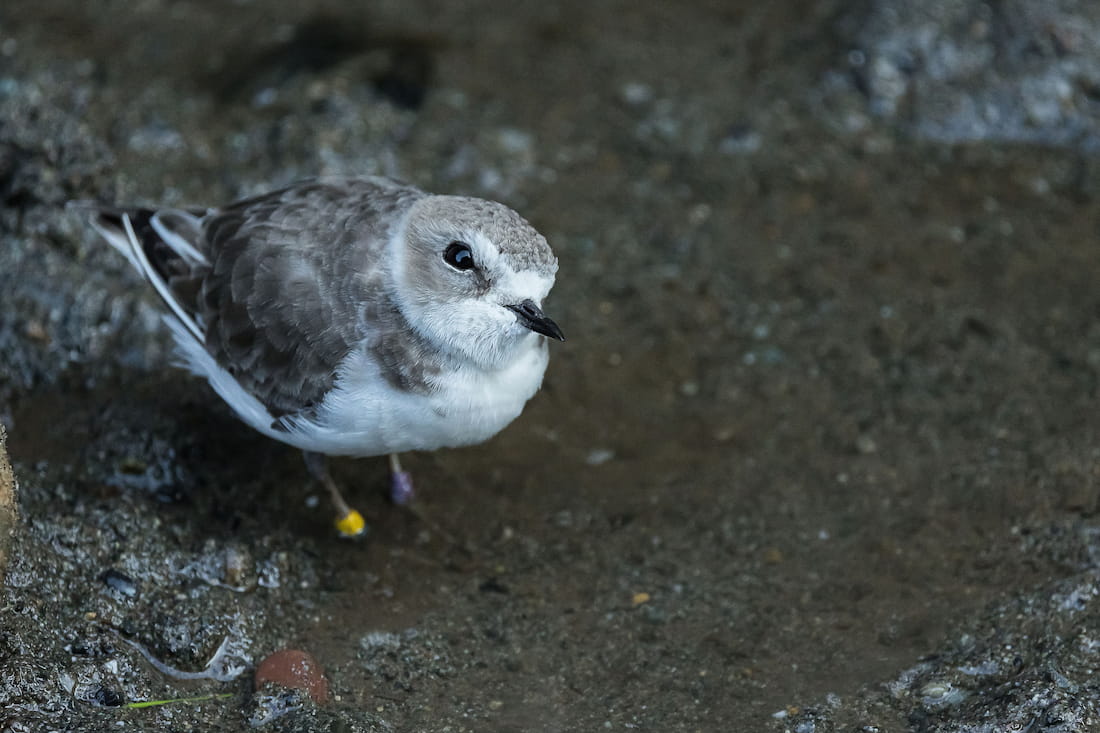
{"type": "Point", "coordinates": [957, 71]}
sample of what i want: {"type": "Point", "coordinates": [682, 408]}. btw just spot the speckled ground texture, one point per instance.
{"type": "Point", "coordinates": [822, 450]}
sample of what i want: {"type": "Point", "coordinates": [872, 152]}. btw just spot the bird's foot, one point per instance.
{"type": "Point", "coordinates": [401, 488]}
{"type": "Point", "coordinates": [351, 525]}
{"type": "Point", "coordinates": [349, 522]}
{"type": "Point", "coordinates": [401, 483]}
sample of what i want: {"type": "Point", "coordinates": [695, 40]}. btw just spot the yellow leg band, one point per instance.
{"type": "Point", "coordinates": [351, 524]}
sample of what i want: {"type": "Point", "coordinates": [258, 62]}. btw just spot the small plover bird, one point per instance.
{"type": "Point", "coordinates": [352, 316]}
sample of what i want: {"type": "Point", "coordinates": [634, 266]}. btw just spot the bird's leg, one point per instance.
{"type": "Point", "coordinates": [401, 483]}
{"type": "Point", "coordinates": [349, 522]}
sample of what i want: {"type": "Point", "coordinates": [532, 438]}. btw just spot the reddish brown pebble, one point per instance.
{"type": "Point", "coordinates": [296, 670]}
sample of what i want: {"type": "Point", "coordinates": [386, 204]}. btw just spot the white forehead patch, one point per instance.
{"type": "Point", "coordinates": [518, 286]}
{"type": "Point", "coordinates": [486, 253]}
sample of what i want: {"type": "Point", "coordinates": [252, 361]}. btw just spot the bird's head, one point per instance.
{"type": "Point", "coordinates": [472, 276]}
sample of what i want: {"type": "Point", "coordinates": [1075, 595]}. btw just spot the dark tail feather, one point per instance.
{"type": "Point", "coordinates": [164, 260]}
{"type": "Point", "coordinates": [171, 274]}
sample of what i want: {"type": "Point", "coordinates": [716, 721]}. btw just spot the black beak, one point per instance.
{"type": "Point", "coordinates": [530, 316]}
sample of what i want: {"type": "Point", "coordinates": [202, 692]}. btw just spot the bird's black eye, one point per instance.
{"type": "Point", "coordinates": [459, 256]}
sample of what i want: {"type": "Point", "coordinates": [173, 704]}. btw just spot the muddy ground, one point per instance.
{"type": "Point", "coordinates": [821, 450]}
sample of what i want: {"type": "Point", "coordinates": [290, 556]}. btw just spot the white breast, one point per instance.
{"type": "Point", "coordinates": [364, 415]}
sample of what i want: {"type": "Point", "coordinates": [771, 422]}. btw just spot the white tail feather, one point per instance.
{"type": "Point", "coordinates": [137, 256]}
{"type": "Point", "coordinates": [121, 243]}
{"type": "Point", "coordinates": [173, 239]}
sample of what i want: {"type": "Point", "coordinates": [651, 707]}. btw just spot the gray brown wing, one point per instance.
{"type": "Point", "coordinates": [288, 276]}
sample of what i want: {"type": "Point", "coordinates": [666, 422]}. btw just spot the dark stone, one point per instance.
{"type": "Point", "coordinates": [120, 582]}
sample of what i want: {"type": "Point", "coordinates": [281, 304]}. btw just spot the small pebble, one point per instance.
{"type": "Point", "coordinates": [723, 435]}
{"type": "Point", "coordinates": [36, 331]}
{"type": "Point", "coordinates": [107, 697]}
{"type": "Point", "coordinates": [295, 669]}
{"type": "Point", "coordinates": [599, 456]}
{"type": "Point", "coordinates": [120, 582]}
{"type": "Point", "coordinates": [237, 566]}
{"type": "Point", "coordinates": [133, 465]}
{"type": "Point", "coordinates": [865, 444]}
{"type": "Point", "coordinates": [635, 92]}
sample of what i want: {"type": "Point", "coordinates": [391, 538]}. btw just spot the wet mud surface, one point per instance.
{"type": "Point", "coordinates": [821, 450]}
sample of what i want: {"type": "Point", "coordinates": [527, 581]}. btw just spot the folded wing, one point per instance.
{"type": "Point", "coordinates": [272, 287]}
